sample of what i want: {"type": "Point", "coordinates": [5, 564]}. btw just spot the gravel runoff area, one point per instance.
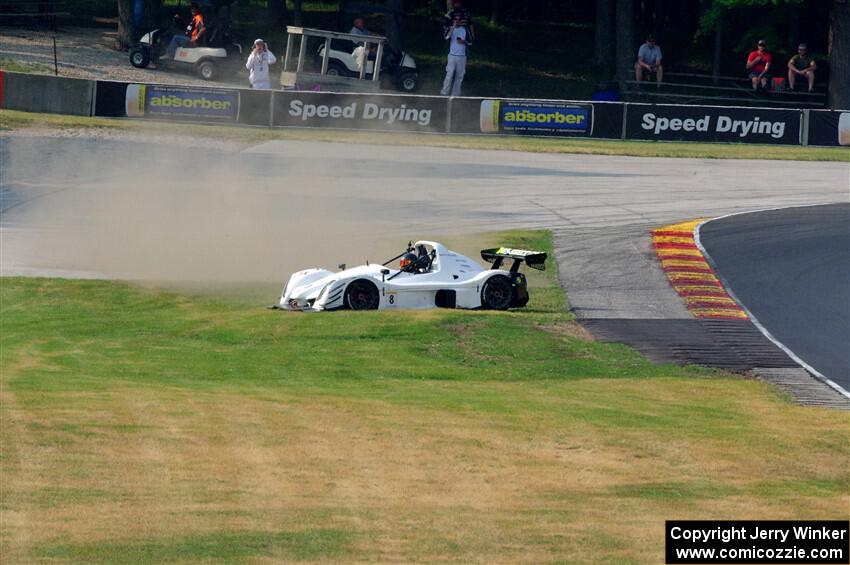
{"type": "Point", "coordinates": [87, 52]}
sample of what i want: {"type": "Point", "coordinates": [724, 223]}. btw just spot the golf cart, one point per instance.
{"type": "Point", "coordinates": [216, 51]}
{"type": "Point", "coordinates": [345, 58]}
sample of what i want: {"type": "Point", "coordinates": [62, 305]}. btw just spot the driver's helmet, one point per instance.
{"type": "Point", "coordinates": [407, 260]}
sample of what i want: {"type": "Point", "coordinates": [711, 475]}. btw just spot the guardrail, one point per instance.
{"type": "Point", "coordinates": [431, 114]}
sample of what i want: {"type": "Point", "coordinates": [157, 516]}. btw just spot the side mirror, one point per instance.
{"type": "Point", "coordinates": [384, 273]}
{"type": "Point", "coordinates": [341, 266]}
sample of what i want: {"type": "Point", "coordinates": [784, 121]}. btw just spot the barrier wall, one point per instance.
{"type": "Point", "coordinates": [47, 94]}
{"type": "Point", "coordinates": [828, 127]}
{"type": "Point", "coordinates": [433, 114]}
{"type": "Point", "coordinates": [713, 124]}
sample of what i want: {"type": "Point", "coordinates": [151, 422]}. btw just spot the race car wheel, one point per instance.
{"type": "Point", "coordinates": [362, 295]}
{"type": "Point", "coordinates": [207, 70]}
{"type": "Point", "coordinates": [498, 293]}
{"type": "Point", "coordinates": [139, 58]}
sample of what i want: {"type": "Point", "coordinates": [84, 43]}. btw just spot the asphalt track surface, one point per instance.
{"type": "Point", "coordinates": [791, 269]}
{"type": "Point", "coordinates": [174, 210]}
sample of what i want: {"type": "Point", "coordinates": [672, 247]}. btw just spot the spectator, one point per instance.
{"type": "Point", "coordinates": [360, 53]}
{"type": "Point", "coordinates": [456, 65]}
{"type": "Point", "coordinates": [649, 61]}
{"type": "Point", "coordinates": [258, 65]}
{"type": "Point", "coordinates": [758, 65]}
{"type": "Point", "coordinates": [802, 65]}
{"type": "Point", "coordinates": [465, 20]}
{"type": "Point", "coordinates": [359, 27]}
{"type": "Point", "coordinates": [194, 32]}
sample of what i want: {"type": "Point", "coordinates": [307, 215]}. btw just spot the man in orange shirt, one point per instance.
{"type": "Point", "coordinates": [758, 65]}
{"type": "Point", "coordinates": [194, 32]}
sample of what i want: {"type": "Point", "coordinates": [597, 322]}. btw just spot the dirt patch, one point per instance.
{"type": "Point", "coordinates": [567, 329]}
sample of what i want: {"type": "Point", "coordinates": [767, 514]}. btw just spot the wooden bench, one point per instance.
{"type": "Point", "coordinates": [693, 88]}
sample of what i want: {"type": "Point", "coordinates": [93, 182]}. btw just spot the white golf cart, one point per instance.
{"type": "Point", "coordinates": [218, 50]}
{"type": "Point", "coordinates": [346, 62]}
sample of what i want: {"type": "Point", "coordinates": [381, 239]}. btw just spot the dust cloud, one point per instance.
{"type": "Point", "coordinates": [143, 210]}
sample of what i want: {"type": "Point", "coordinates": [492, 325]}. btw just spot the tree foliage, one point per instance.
{"type": "Point", "coordinates": [719, 8]}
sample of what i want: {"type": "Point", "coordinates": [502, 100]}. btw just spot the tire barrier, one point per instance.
{"type": "Point", "coordinates": [431, 114]}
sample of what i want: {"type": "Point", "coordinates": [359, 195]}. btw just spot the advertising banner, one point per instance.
{"type": "Point", "coordinates": [201, 104]}
{"type": "Point", "coordinates": [521, 117]}
{"type": "Point", "coordinates": [360, 111]}
{"type": "Point", "coordinates": [535, 118]}
{"type": "Point", "coordinates": [827, 127]}
{"type": "Point", "coordinates": [711, 123]}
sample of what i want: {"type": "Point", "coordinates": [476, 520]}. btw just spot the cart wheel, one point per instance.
{"type": "Point", "coordinates": [207, 70]}
{"type": "Point", "coordinates": [498, 293]}
{"type": "Point", "coordinates": [408, 82]}
{"type": "Point", "coordinates": [336, 70]}
{"type": "Point", "coordinates": [139, 58]}
{"type": "Point", "coordinates": [362, 295]}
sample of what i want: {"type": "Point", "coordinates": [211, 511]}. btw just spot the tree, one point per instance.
{"type": "Point", "coordinates": [277, 11]}
{"type": "Point", "coordinates": [625, 37]}
{"type": "Point", "coordinates": [126, 29]}
{"type": "Point", "coordinates": [839, 55]}
{"type": "Point", "coordinates": [297, 13]}
{"type": "Point", "coordinates": [495, 11]}
{"type": "Point", "coordinates": [395, 13]}
{"type": "Point", "coordinates": [603, 34]}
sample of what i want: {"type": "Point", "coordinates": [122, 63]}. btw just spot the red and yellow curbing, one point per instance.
{"type": "Point", "coordinates": [691, 276]}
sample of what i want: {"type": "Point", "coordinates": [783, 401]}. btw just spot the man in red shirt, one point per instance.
{"type": "Point", "coordinates": [758, 65]}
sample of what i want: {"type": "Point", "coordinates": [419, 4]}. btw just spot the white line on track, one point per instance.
{"type": "Point", "coordinates": [814, 372]}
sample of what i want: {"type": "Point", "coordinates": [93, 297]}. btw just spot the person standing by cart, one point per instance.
{"type": "Point", "coordinates": [258, 65]}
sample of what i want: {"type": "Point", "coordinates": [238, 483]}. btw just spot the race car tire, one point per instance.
{"type": "Point", "coordinates": [361, 295]}
{"type": "Point", "coordinates": [498, 293]}
{"type": "Point", "coordinates": [139, 58]}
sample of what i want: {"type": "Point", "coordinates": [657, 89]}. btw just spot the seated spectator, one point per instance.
{"type": "Point", "coordinates": [758, 65]}
{"type": "Point", "coordinates": [359, 27]}
{"type": "Point", "coordinates": [194, 32]}
{"type": "Point", "coordinates": [649, 61]}
{"type": "Point", "coordinates": [801, 65]}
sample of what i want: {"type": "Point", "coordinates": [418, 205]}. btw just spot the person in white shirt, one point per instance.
{"type": "Point", "coordinates": [456, 67]}
{"type": "Point", "coordinates": [258, 63]}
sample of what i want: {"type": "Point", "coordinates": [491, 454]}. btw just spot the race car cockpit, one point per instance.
{"type": "Point", "coordinates": [414, 260]}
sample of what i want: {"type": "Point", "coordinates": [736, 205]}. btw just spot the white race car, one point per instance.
{"type": "Point", "coordinates": [429, 276]}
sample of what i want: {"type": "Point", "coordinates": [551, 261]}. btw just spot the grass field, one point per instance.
{"type": "Point", "coordinates": [14, 120]}
{"type": "Point", "coordinates": [192, 425]}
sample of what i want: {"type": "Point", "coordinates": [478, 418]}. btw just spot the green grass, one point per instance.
{"type": "Point", "coordinates": [166, 425]}
{"type": "Point", "coordinates": [14, 120]}
{"type": "Point", "coordinates": [12, 65]}
{"type": "Point", "coordinates": [236, 547]}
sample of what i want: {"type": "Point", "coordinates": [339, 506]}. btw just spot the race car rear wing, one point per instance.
{"type": "Point", "coordinates": [534, 259]}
